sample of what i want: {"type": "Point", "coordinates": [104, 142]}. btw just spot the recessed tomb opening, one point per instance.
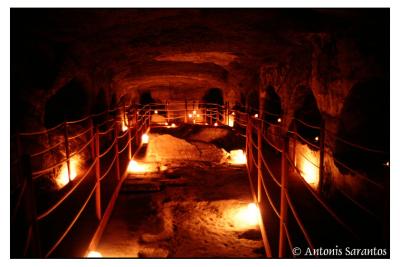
{"type": "Point", "coordinates": [71, 102]}
{"type": "Point", "coordinates": [364, 121]}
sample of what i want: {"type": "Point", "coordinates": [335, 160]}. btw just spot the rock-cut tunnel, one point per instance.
{"type": "Point", "coordinates": [200, 133]}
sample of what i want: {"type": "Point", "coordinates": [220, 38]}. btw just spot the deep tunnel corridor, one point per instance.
{"type": "Point", "coordinates": [187, 211]}
{"type": "Point", "coordinates": [157, 133]}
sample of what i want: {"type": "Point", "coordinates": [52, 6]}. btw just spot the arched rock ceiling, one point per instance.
{"type": "Point", "coordinates": [182, 49]}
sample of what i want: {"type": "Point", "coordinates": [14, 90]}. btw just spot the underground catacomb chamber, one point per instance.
{"type": "Point", "coordinates": [199, 133]}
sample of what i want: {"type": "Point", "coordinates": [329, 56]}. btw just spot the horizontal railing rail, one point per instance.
{"type": "Point", "coordinates": [105, 138]}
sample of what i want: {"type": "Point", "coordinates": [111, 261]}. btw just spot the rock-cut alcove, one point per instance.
{"type": "Point", "coordinates": [69, 103]}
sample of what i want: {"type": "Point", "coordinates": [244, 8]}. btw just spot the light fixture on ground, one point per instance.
{"type": "Point", "coordinates": [94, 254]}
{"type": "Point", "coordinates": [124, 127]}
{"type": "Point", "coordinates": [145, 138]}
{"type": "Point", "coordinates": [237, 157]}
{"type": "Point", "coordinates": [63, 179]}
{"type": "Point", "coordinates": [231, 119]}
{"type": "Point", "coordinates": [136, 167]}
{"type": "Point", "coordinates": [307, 162]}
{"type": "Point", "coordinates": [247, 216]}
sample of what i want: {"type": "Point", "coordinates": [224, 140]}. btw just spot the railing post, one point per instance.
{"type": "Point", "coordinates": [92, 143]}
{"type": "Point", "coordinates": [250, 148]}
{"type": "Point", "coordinates": [227, 112]}
{"type": "Point", "coordinates": [186, 110]}
{"type": "Point", "coordinates": [283, 208]}
{"type": "Point", "coordinates": [149, 116]}
{"type": "Point", "coordinates": [117, 149]}
{"type": "Point", "coordinates": [166, 107]}
{"type": "Point", "coordinates": [98, 183]}
{"type": "Point", "coordinates": [30, 209]}
{"type": "Point", "coordinates": [124, 117]}
{"type": "Point", "coordinates": [321, 155]}
{"type": "Point", "coordinates": [259, 162]}
{"type": "Point", "coordinates": [137, 127]}
{"type": "Point", "coordinates": [67, 149]}
{"type": "Point", "coordinates": [129, 140]}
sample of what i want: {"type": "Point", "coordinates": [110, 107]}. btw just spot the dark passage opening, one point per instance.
{"type": "Point", "coordinates": [253, 102]}
{"type": "Point", "coordinates": [272, 106]}
{"type": "Point", "coordinates": [69, 103]}
{"type": "Point", "coordinates": [306, 116]}
{"type": "Point", "coordinates": [213, 96]}
{"type": "Point", "coordinates": [101, 102]}
{"type": "Point", "coordinates": [364, 120]}
{"type": "Point", "coordinates": [146, 98]}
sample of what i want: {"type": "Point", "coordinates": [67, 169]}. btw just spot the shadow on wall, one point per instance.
{"type": "Point", "coordinates": [71, 102]}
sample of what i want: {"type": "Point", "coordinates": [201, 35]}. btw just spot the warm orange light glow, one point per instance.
{"type": "Point", "coordinates": [255, 115]}
{"type": "Point", "coordinates": [231, 120]}
{"type": "Point", "coordinates": [135, 167]}
{"type": "Point", "coordinates": [279, 120]}
{"type": "Point", "coordinates": [247, 216]}
{"type": "Point", "coordinates": [145, 139]}
{"type": "Point", "coordinates": [155, 111]}
{"type": "Point", "coordinates": [216, 124]}
{"type": "Point", "coordinates": [316, 138]}
{"type": "Point", "coordinates": [194, 112]}
{"type": "Point", "coordinates": [198, 115]}
{"type": "Point", "coordinates": [173, 125]}
{"type": "Point", "coordinates": [94, 254]}
{"type": "Point", "coordinates": [233, 113]}
{"type": "Point", "coordinates": [307, 162]}
{"type": "Point", "coordinates": [237, 157]}
{"type": "Point", "coordinates": [124, 128]}
{"type": "Point", "coordinates": [190, 115]}
{"type": "Point", "coordinates": [62, 179]}
{"type": "Point", "coordinates": [166, 123]}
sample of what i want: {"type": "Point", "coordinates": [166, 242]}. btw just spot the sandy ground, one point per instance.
{"type": "Point", "coordinates": [189, 211]}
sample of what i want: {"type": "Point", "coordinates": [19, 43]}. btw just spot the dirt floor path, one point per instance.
{"type": "Point", "coordinates": [194, 209]}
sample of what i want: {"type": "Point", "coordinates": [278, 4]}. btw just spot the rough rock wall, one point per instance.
{"type": "Point", "coordinates": [330, 66]}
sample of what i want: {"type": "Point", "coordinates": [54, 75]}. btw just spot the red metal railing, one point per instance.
{"type": "Point", "coordinates": [263, 179]}
{"type": "Point", "coordinates": [95, 136]}
{"type": "Point", "coordinates": [99, 130]}
{"type": "Point", "coordinates": [104, 129]}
